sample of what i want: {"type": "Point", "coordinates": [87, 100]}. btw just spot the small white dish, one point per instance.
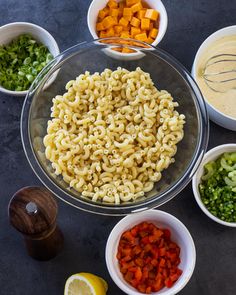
{"type": "Point", "coordinates": [215, 115]}
{"type": "Point", "coordinates": [211, 155]}
{"type": "Point", "coordinates": [179, 234]}
{"type": "Point", "coordinates": [97, 5]}
{"type": "Point", "coordinates": [13, 30]}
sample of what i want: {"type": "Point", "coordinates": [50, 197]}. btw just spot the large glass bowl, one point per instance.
{"type": "Point", "coordinates": [95, 56]}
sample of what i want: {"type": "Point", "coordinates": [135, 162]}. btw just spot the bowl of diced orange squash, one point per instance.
{"type": "Point", "coordinates": [144, 21]}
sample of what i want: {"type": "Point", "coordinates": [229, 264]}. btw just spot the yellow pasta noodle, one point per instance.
{"type": "Point", "coordinates": [112, 134]}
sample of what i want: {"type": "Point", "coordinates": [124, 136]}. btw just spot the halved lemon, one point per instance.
{"type": "Point", "coordinates": [85, 284]}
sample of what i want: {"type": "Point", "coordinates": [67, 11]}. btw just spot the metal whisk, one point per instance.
{"type": "Point", "coordinates": [224, 80]}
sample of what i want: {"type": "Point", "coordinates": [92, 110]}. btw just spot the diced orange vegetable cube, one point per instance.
{"type": "Point", "coordinates": [103, 34]}
{"type": "Point", "coordinates": [136, 7]}
{"type": "Point", "coordinates": [141, 37]}
{"type": "Point", "coordinates": [118, 29]}
{"type": "Point", "coordinates": [144, 31]}
{"type": "Point", "coordinates": [151, 25]}
{"type": "Point", "coordinates": [153, 33]}
{"type": "Point", "coordinates": [110, 32]}
{"type": "Point", "coordinates": [131, 2]}
{"type": "Point", "coordinates": [127, 11]}
{"type": "Point", "coordinates": [108, 22]}
{"type": "Point", "coordinates": [112, 4]}
{"type": "Point", "coordinates": [127, 50]}
{"type": "Point", "coordinates": [152, 14]}
{"type": "Point", "coordinates": [135, 22]}
{"type": "Point", "coordinates": [150, 40]}
{"type": "Point", "coordinates": [103, 13]}
{"type": "Point", "coordinates": [141, 13]}
{"type": "Point", "coordinates": [115, 18]}
{"type": "Point", "coordinates": [135, 31]}
{"type": "Point", "coordinates": [99, 26]}
{"type": "Point", "coordinates": [125, 34]}
{"type": "Point", "coordinates": [123, 22]}
{"type": "Point", "coordinates": [128, 17]}
{"type": "Point", "coordinates": [114, 12]}
{"type": "Point", "coordinates": [145, 23]}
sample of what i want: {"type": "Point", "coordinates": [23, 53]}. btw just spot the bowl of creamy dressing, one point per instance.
{"type": "Point", "coordinates": [216, 59]}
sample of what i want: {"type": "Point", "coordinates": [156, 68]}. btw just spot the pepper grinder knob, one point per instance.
{"type": "Point", "coordinates": [32, 211]}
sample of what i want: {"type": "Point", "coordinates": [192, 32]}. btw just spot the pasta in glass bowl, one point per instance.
{"type": "Point", "coordinates": [100, 133]}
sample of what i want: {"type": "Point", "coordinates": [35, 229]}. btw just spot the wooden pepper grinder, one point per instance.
{"type": "Point", "coordinates": [33, 211]}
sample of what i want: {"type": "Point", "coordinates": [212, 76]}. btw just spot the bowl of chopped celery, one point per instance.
{"type": "Point", "coordinates": [214, 184]}
{"type": "Point", "coordinates": [25, 49]}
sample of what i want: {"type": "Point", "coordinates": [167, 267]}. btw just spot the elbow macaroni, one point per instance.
{"type": "Point", "coordinates": [112, 134]}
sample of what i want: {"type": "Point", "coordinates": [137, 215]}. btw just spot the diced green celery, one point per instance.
{"type": "Point", "coordinates": [218, 187]}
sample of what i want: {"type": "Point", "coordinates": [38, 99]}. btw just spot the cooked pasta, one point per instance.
{"type": "Point", "coordinates": [112, 134]}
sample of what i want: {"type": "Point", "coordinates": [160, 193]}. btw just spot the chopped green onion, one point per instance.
{"type": "Point", "coordinates": [218, 187]}
{"type": "Point", "coordinates": [21, 61]}
{"type": "Point", "coordinates": [30, 78]}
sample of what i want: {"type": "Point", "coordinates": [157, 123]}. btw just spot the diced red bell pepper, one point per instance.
{"type": "Point", "coordinates": [168, 283]}
{"type": "Point", "coordinates": [162, 262]}
{"type": "Point", "coordinates": [128, 237]}
{"type": "Point", "coordinates": [161, 243]}
{"type": "Point", "coordinates": [126, 259]}
{"type": "Point", "coordinates": [167, 233]}
{"type": "Point", "coordinates": [143, 233]}
{"type": "Point", "coordinates": [138, 274]}
{"type": "Point", "coordinates": [148, 290]}
{"type": "Point", "coordinates": [127, 265]}
{"type": "Point", "coordinates": [141, 288]}
{"type": "Point", "coordinates": [145, 240]}
{"type": "Point", "coordinates": [154, 262]}
{"type": "Point", "coordinates": [134, 231]}
{"type": "Point", "coordinates": [147, 247]}
{"type": "Point", "coordinates": [162, 251]}
{"type": "Point", "coordinates": [136, 250]}
{"type": "Point", "coordinates": [139, 262]}
{"type": "Point", "coordinates": [174, 277]}
{"type": "Point", "coordinates": [126, 252]}
{"type": "Point", "coordinates": [158, 285]}
{"type": "Point", "coordinates": [145, 273]}
{"type": "Point", "coordinates": [148, 258]}
{"type": "Point", "coordinates": [168, 263]}
{"type": "Point", "coordinates": [165, 273]}
{"type": "Point", "coordinates": [129, 276]}
{"type": "Point", "coordinates": [151, 275]}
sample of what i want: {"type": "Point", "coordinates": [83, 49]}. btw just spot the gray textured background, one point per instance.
{"type": "Point", "coordinates": [190, 22]}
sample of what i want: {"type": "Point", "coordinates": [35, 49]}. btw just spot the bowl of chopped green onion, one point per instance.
{"type": "Point", "coordinates": [214, 184]}
{"type": "Point", "coordinates": [25, 49]}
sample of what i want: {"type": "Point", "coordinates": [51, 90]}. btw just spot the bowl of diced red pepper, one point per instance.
{"type": "Point", "coordinates": [150, 253]}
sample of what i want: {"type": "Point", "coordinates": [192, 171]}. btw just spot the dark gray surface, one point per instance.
{"type": "Point", "coordinates": [190, 22]}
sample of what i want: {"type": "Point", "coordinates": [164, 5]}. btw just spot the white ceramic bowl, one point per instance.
{"type": "Point", "coordinates": [215, 115]}
{"type": "Point", "coordinates": [13, 30]}
{"type": "Point", "coordinates": [97, 5]}
{"type": "Point", "coordinates": [211, 155]}
{"type": "Point", "coordinates": [179, 234]}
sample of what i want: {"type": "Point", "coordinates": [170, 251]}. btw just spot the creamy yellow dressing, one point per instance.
{"type": "Point", "coordinates": [225, 97]}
